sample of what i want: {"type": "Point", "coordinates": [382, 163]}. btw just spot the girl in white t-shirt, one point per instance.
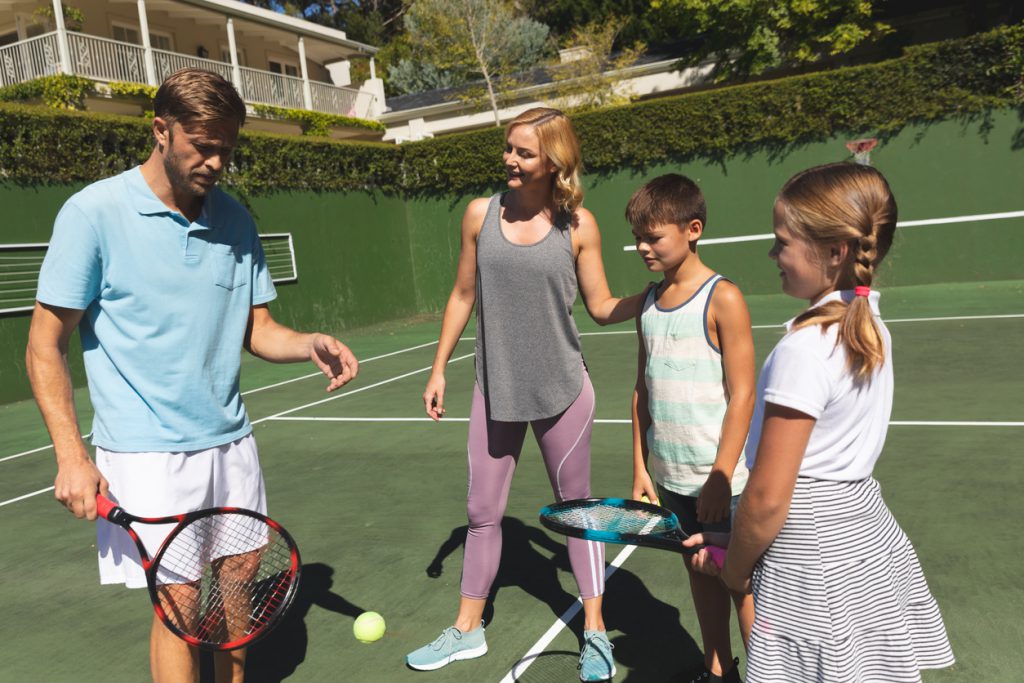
{"type": "Point", "coordinates": [838, 591]}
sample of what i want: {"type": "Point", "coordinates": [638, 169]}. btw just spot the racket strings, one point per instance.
{"type": "Point", "coordinates": [615, 519]}
{"type": "Point", "coordinates": [224, 577]}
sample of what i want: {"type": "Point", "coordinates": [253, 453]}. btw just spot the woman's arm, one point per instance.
{"type": "Point", "coordinates": [597, 297]}
{"type": "Point", "coordinates": [765, 503]}
{"type": "Point", "coordinates": [459, 307]}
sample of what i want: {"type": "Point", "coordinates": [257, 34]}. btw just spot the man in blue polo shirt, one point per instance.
{"type": "Point", "coordinates": [164, 276]}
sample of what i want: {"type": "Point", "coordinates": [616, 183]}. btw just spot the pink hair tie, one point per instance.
{"type": "Point", "coordinates": [861, 291]}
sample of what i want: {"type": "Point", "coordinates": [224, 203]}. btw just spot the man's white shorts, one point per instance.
{"type": "Point", "coordinates": [161, 484]}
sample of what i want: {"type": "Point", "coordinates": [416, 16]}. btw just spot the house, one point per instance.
{"type": "Point", "coordinates": [273, 59]}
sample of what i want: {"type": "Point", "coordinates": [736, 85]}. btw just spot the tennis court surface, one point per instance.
{"type": "Point", "coordinates": [375, 495]}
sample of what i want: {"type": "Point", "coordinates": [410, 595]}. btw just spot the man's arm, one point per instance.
{"type": "Point", "coordinates": [46, 358]}
{"type": "Point", "coordinates": [266, 339]}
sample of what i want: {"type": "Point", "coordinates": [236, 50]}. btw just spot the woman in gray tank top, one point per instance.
{"type": "Point", "coordinates": [525, 254]}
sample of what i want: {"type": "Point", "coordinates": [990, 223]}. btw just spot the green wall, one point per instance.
{"type": "Point", "coordinates": [365, 257]}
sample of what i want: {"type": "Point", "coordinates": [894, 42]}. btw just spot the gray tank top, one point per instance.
{"type": "Point", "coordinates": [528, 360]}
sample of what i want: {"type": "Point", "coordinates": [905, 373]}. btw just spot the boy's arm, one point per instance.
{"type": "Point", "coordinates": [642, 484]}
{"type": "Point", "coordinates": [732, 322]}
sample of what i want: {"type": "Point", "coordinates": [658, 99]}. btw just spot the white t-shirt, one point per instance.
{"type": "Point", "coordinates": [807, 371]}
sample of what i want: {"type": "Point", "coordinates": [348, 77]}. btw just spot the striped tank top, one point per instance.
{"type": "Point", "coordinates": [686, 392]}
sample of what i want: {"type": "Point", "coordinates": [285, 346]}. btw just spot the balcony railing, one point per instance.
{"type": "Point", "coordinates": [28, 59]}
{"type": "Point", "coordinates": [103, 59]}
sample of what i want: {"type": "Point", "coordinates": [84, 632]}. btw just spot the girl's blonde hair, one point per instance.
{"type": "Point", "coordinates": [558, 142]}
{"type": "Point", "coordinates": [851, 203]}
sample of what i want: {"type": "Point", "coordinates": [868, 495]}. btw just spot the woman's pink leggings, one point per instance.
{"type": "Point", "coordinates": [494, 449]}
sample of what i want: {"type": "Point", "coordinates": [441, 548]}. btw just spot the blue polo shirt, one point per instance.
{"type": "Point", "coordinates": [166, 307]}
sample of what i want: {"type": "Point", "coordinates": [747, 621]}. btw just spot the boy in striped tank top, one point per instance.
{"type": "Point", "coordinates": [694, 394]}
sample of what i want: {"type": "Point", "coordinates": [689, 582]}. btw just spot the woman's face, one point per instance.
{"type": "Point", "coordinates": [525, 164]}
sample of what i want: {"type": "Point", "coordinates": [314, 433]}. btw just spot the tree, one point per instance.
{"type": "Point", "coordinates": [752, 36]}
{"type": "Point", "coordinates": [471, 39]}
{"type": "Point", "coordinates": [636, 19]}
{"type": "Point", "coordinates": [586, 80]}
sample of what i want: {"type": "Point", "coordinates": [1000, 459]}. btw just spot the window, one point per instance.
{"type": "Point", "coordinates": [225, 55]}
{"type": "Point", "coordinates": [284, 68]}
{"type": "Point", "coordinates": [130, 34]}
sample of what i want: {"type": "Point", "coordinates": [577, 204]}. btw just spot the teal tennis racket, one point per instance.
{"type": "Point", "coordinates": [622, 521]}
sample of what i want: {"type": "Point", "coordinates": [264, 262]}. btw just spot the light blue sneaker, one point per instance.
{"type": "Point", "coordinates": [596, 663]}
{"type": "Point", "coordinates": [450, 646]}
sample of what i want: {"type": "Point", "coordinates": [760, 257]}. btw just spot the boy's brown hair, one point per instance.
{"type": "Point", "coordinates": [198, 98]}
{"type": "Point", "coordinates": [671, 198]}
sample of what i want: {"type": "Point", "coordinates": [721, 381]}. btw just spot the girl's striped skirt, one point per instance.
{"type": "Point", "coordinates": [840, 596]}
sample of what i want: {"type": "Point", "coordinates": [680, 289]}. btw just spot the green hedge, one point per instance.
{"type": "Point", "coordinates": [963, 77]}
{"type": "Point", "coordinates": [315, 123]}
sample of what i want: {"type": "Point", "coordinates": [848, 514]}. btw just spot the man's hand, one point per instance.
{"type": "Point", "coordinates": [77, 483]}
{"type": "Point", "coordinates": [334, 359]}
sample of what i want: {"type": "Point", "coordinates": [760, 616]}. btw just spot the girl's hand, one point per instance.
{"type": "Point", "coordinates": [701, 560]}
{"type": "Point", "coordinates": [433, 397]}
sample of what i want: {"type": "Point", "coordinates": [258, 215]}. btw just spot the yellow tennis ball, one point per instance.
{"type": "Point", "coordinates": [645, 499]}
{"type": "Point", "coordinates": [368, 627]}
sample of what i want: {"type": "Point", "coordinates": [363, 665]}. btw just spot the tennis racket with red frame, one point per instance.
{"type": "Point", "coordinates": [223, 577]}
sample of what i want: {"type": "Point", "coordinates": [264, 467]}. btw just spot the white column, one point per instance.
{"type": "Point", "coordinates": [147, 47]}
{"type": "Point", "coordinates": [236, 72]}
{"type": "Point", "coordinates": [307, 94]}
{"type": "Point", "coordinates": [373, 68]}
{"type": "Point", "coordinates": [62, 37]}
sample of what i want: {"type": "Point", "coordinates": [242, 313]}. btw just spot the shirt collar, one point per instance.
{"type": "Point", "coordinates": [847, 296]}
{"type": "Point", "coordinates": [145, 201]}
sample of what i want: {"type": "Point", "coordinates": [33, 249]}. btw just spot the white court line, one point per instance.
{"type": "Point", "coordinates": [279, 416]}
{"type": "Point", "coordinates": [354, 391]}
{"type": "Point", "coordinates": [531, 655]}
{"type": "Point", "coordinates": [320, 374]}
{"type": "Point", "coordinates": [253, 391]}
{"type": "Point", "coordinates": [27, 495]}
{"type": "Point", "coordinates": [616, 421]}
{"type": "Point", "coordinates": [900, 224]}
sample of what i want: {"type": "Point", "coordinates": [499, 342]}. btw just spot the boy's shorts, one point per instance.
{"type": "Point", "coordinates": [685, 508]}
{"type": "Point", "coordinates": [162, 484]}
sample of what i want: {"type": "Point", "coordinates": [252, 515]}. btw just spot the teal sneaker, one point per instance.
{"type": "Point", "coordinates": [596, 663]}
{"type": "Point", "coordinates": [450, 646]}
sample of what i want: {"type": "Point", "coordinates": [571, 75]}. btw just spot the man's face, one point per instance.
{"type": "Point", "coordinates": [195, 158]}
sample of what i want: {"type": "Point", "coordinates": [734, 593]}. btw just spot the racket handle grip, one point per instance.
{"type": "Point", "coordinates": [104, 506]}
{"type": "Point", "coordinates": [716, 554]}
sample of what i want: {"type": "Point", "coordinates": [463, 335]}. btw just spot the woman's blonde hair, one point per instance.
{"type": "Point", "coordinates": [851, 203]}
{"type": "Point", "coordinates": [558, 142]}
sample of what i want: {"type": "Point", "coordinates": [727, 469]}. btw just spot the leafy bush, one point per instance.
{"type": "Point", "coordinates": [963, 77]}
{"type": "Point", "coordinates": [315, 122]}
{"type": "Point", "coordinates": [59, 91]}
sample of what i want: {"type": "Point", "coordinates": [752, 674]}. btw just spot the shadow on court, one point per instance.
{"type": "Point", "coordinates": [522, 564]}
{"type": "Point", "coordinates": [276, 657]}
{"type": "Point", "coordinates": [651, 644]}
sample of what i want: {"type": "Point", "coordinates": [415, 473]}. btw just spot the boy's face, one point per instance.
{"type": "Point", "coordinates": [665, 246]}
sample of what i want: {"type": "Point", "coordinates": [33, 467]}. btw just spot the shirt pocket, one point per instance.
{"type": "Point", "coordinates": [228, 270]}
{"type": "Point", "coordinates": [680, 366]}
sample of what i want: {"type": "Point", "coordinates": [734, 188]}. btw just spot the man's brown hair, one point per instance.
{"type": "Point", "coordinates": [671, 198]}
{"type": "Point", "coordinates": [196, 97]}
